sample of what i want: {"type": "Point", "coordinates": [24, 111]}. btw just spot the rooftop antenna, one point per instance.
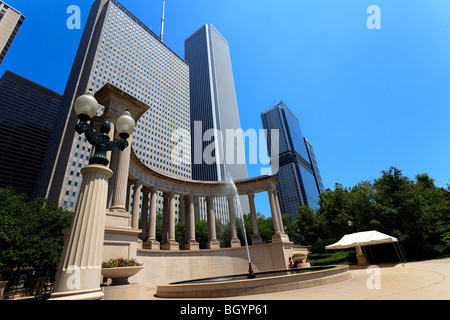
{"type": "Point", "coordinates": [163, 20]}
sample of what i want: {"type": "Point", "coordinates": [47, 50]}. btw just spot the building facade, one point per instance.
{"type": "Point", "coordinates": [10, 22]}
{"type": "Point", "coordinates": [214, 113]}
{"type": "Point", "coordinates": [315, 166]}
{"type": "Point", "coordinates": [296, 170]}
{"type": "Point", "coordinates": [119, 49]}
{"type": "Point", "coordinates": [28, 113]}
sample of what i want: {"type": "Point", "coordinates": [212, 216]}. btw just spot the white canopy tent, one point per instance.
{"type": "Point", "coordinates": [367, 238]}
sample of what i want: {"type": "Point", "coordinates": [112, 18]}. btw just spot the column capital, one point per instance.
{"type": "Point", "coordinates": [137, 183]}
{"type": "Point", "coordinates": [146, 189]}
{"type": "Point", "coordinates": [251, 196]}
{"type": "Point", "coordinates": [168, 195]}
{"type": "Point", "coordinates": [230, 197]}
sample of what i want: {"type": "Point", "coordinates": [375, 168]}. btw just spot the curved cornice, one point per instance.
{"type": "Point", "coordinates": [161, 182]}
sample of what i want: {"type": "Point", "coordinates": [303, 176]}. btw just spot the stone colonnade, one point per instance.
{"type": "Point", "coordinates": [130, 171]}
{"type": "Point", "coordinates": [98, 236]}
{"type": "Point", "coordinates": [147, 210]}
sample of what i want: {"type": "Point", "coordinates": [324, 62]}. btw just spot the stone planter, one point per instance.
{"type": "Point", "coordinates": [119, 276]}
{"type": "Point", "coordinates": [300, 259]}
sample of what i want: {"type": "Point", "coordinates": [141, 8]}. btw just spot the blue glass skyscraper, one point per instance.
{"type": "Point", "coordinates": [296, 170]}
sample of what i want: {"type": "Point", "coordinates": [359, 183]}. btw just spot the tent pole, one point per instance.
{"type": "Point", "coordinates": [401, 251]}
{"type": "Point", "coordinates": [328, 258]}
{"type": "Point", "coordinates": [370, 249]}
{"type": "Point", "coordinates": [398, 253]}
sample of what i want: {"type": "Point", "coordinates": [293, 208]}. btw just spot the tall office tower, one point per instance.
{"type": "Point", "coordinates": [214, 109]}
{"type": "Point", "coordinates": [315, 166]}
{"type": "Point", "coordinates": [298, 185]}
{"type": "Point", "coordinates": [118, 48]}
{"type": "Point", "coordinates": [10, 22]}
{"type": "Point", "coordinates": [28, 112]}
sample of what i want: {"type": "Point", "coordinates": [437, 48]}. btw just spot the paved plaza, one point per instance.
{"type": "Point", "coordinates": [425, 280]}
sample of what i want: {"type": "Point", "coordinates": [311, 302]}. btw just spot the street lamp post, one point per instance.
{"type": "Point", "coordinates": [79, 271]}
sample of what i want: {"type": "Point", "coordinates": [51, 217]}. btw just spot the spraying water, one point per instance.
{"type": "Point", "coordinates": [241, 218]}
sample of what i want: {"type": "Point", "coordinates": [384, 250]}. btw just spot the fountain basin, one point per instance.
{"type": "Point", "coordinates": [265, 282]}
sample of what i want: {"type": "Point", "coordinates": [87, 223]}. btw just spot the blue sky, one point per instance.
{"type": "Point", "coordinates": [366, 99]}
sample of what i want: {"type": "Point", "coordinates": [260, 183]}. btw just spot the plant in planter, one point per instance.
{"type": "Point", "coordinates": [299, 257]}
{"type": "Point", "coordinates": [119, 270]}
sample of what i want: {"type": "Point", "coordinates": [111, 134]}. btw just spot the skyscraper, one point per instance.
{"type": "Point", "coordinates": [214, 110]}
{"type": "Point", "coordinates": [315, 166]}
{"type": "Point", "coordinates": [118, 48]}
{"type": "Point", "coordinates": [296, 169]}
{"type": "Point", "coordinates": [10, 22]}
{"type": "Point", "coordinates": [28, 113]}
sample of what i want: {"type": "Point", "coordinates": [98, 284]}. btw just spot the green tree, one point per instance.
{"type": "Point", "coordinates": [363, 209]}
{"type": "Point", "coordinates": [266, 230]}
{"type": "Point", "coordinates": [335, 211]}
{"type": "Point", "coordinates": [201, 233]}
{"type": "Point", "coordinates": [30, 232]}
{"type": "Point", "coordinates": [310, 226]}
{"type": "Point", "coordinates": [180, 233]}
{"type": "Point", "coordinates": [291, 227]}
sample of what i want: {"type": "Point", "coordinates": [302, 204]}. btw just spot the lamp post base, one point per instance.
{"type": "Point", "coordinates": [79, 272]}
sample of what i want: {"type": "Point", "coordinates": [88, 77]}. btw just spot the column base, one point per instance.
{"type": "Point", "coordinates": [192, 246]}
{"type": "Point", "coordinates": [235, 243]}
{"type": "Point", "coordinates": [151, 244]}
{"type": "Point", "coordinates": [171, 246]}
{"type": "Point", "coordinates": [256, 241]}
{"type": "Point", "coordinates": [118, 218]}
{"type": "Point", "coordinates": [213, 244]}
{"type": "Point", "coordinates": [96, 294]}
{"type": "Point", "coordinates": [280, 237]}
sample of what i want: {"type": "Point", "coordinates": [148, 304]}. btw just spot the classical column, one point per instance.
{"type": "Point", "coordinates": [119, 197]}
{"type": "Point", "coordinates": [127, 201]}
{"type": "Point", "coordinates": [79, 271]}
{"type": "Point", "coordinates": [171, 244]}
{"type": "Point", "coordinates": [151, 243]}
{"type": "Point", "coordinates": [191, 243]}
{"type": "Point", "coordinates": [113, 166]}
{"type": "Point", "coordinates": [235, 242]}
{"type": "Point", "coordinates": [144, 214]}
{"type": "Point", "coordinates": [256, 239]}
{"type": "Point", "coordinates": [197, 208]}
{"type": "Point", "coordinates": [136, 202]}
{"type": "Point", "coordinates": [274, 211]}
{"type": "Point", "coordinates": [212, 237]}
{"type": "Point", "coordinates": [165, 216]}
{"type": "Point", "coordinates": [279, 235]}
{"type": "Point", "coordinates": [277, 205]}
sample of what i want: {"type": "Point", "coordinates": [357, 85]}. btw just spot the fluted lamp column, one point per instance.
{"type": "Point", "coordinates": [79, 271]}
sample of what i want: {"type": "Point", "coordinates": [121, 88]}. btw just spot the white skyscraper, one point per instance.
{"type": "Point", "coordinates": [214, 107]}
{"type": "Point", "coordinates": [10, 22]}
{"type": "Point", "coordinates": [119, 49]}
